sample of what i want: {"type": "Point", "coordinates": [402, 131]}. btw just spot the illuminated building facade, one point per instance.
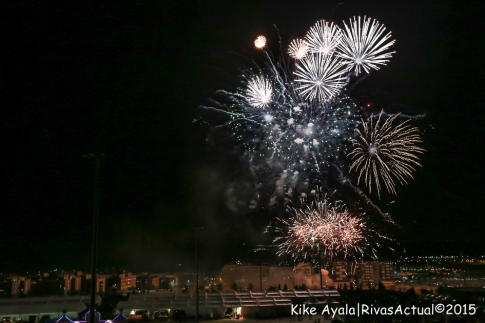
{"type": "Point", "coordinates": [375, 272]}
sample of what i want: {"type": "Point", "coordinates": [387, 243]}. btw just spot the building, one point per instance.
{"type": "Point", "coordinates": [15, 285]}
{"type": "Point", "coordinates": [375, 272]}
{"type": "Point", "coordinates": [75, 283]}
{"type": "Point", "coordinates": [71, 283]}
{"type": "Point", "coordinates": [265, 277]}
{"type": "Point", "coordinates": [343, 273]}
{"type": "Point", "coordinates": [147, 281]}
{"type": "Point", "coordinates": [171, 280]}
{"type": "Point", "coordinates": [100, 284]}
{"type": "Point", "coordinates": [168, 281]}
{"type": "Point", "coordinates": [123, 281]}
{"type": "Point", "coordinates": [67, 283]}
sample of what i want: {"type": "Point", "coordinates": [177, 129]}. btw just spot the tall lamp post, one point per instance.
{"type": "Point", "coordinates": [197, 275]}
{"type": "Point", "coordinates": [97, 157]}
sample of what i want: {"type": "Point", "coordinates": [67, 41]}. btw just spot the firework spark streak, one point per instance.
{"type": "Point", "coordinates": [319, 230]}
{"type": "Point", "coordinates": [362, 47]}
{"type": "Point", "coordinates": [380, 152]}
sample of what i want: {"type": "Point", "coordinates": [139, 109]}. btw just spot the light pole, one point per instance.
{"type": "Point", "coordinates": [97, 157]}
{"type": "Point", "coordinates": [197, 275]}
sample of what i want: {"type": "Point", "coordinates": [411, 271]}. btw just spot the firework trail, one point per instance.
{"type": "Point", "coordinates": [367, 200]}
{"type": "Point", "coordinates": [380, 152]}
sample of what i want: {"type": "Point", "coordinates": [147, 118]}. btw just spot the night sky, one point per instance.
{"type": "Point", "coordinates": [127, 77]}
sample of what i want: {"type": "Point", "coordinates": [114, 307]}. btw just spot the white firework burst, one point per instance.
{"type": "Point", "coordinates": [362, 45]}
{"type": "Point", "coordinates": [320, 76]}
{"type": "Point", "coordinates": [259, 92]}
{"type": "Point", "coordinates": [380, 152]}
{"type": "Point", "coordinates": [298, 48]}
{"type": "Point", "coordinates": [323, 37]}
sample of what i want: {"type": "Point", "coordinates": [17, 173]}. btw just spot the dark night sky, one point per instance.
{"type": "Point", "coordinates": [126, 78]}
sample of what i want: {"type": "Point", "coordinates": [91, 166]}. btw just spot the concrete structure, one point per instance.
{"type": "Point", "coordinates": [33, 309]}
{"type": "Point", "coordinates": [264, 277]}
{"type": "Point", "coordinates": [249, 304]}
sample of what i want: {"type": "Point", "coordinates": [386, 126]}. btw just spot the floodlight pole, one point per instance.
{"type": "Point", "coordinates": [92, 310]}
{"type": "Point", "coordinates": [197, 275]}
{"type": "Point", "coordinates": [196, 279]}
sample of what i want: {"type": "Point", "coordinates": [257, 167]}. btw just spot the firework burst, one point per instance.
{"type": "Point", "coordinates": [259, 92]}
{"type": "Point", "coordinates": [320, 230]}
{"type": "Point", "coordinates": [319, 76]}
{"type": "Point", "coordinates": [323, 38]}
{"type": "Point", "coordinates": [295, 121]}
{"type": "Point", "coordinates": [298, 49]}
{"type": "Point", "coordinates": [362, 45]}
{"type": "Point", "coordinates": [385, 152]}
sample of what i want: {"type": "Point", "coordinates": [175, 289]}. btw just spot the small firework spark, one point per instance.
{"type": "Point", "coordinates": [362, 47]}
{"type": "Point", "coordinates": [298, 48]}
{"type": "Point", "coordinates": [259, 92]}
{"type": "Point", "coordinates": [323, 37]}
{"type": "Point", "coordinates": [260, 42]}
{"type": "Point", "coordinates": [319, 76]}
{"type": "Point", "coordinates": [380, 152]}
{"type": "Point", "coordinates": [321, 230]}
